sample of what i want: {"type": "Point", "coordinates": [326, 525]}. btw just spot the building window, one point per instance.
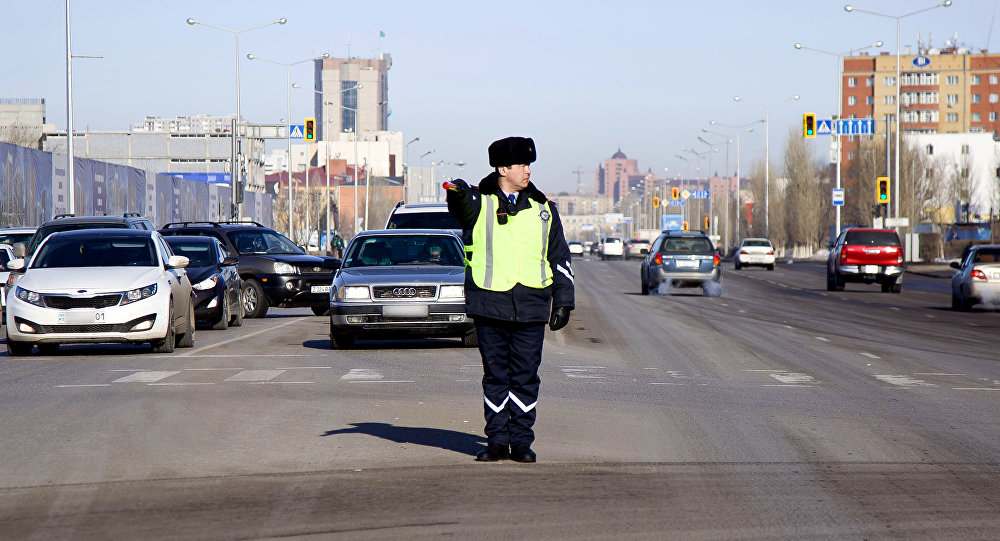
{"type": "Point", "coordinates": [852, 82]}
{"type": "Point", "coordinates": [994, 98]}
{"type": "Point", "coordinates": [348, 98]}
{"type": "Point", "coordinates": [852, 100]}
{"type": "Point", "coordinates": [952, 117]}
{"type": "Point", "coordinates": [993, 116]}
{"type": "Point", "coordinates": [928, 116]}
{"type": "Point", "coordinates": [910, 116]}
{"type": "Point", "coordinates": [890, 99]}
{"type": "Point", "coordinates": [928, 97]}
{"type": "Point", "coordinates": [993, 79]}
{"type": "Point", "coordinates": [974, 80]}
{"type": "Point", "coordinates": [952, 79]}
{"type": "Point", "coordinates": [889, 81]}
{"type": "Point", "coordinates": [952, 99]}
{"type": "Point", "coordinates": [976, 98]}
{"type": "Point", "coordinates": [851, 155]}
{"type": "Point", "coordinates": [976, 117]}
{"type": "Point", "coordinates": [870, 81]}
{"type": "Point", "coordinates": [870, 100]}
{"type": "Point", "coordinates": [965, 149]}
{"type": "Point", "coordinates": [929, 78]}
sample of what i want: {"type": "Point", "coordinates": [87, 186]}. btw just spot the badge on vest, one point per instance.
{"type": "Point", "coordinates": [544, 215]}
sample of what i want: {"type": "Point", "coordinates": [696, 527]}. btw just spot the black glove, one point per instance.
{"type": "Point", "coordinates": [560, 317]}
{"type": "Point", "coordinates": [459, 186]}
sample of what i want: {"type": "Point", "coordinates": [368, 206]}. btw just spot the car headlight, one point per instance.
{"type": "Point", "coordinates": [353, 293]}
{"type": "Point", "coordinates": [284, 268]}
{"type": "Point", "coordinates": [452, 292]}
{"type": "Point", "coordinates": [138, 294]}
{"type": "Point", "coordinates": [29, 297]}
{"type": "Point", "coordinates": [207, 283]}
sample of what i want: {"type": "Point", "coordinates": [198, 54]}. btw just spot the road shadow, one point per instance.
{"type": "Point", "coordinates": [449, 440]}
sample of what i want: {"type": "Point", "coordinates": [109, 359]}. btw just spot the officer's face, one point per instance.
{"type": "Point", "coordinates": [516, 176]}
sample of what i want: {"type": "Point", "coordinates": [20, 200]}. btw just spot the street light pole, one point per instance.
{"type": "Point", "coordinates": [767, 157]}
{"type": "Point", "coordinates": [849, 8]}
{"type": "Point", "coordinates": [288, 133]}
{"type": "Point", "coordinates": [739, 130]}
{"type": "Point", "coordinates": [840, 107]}
{"type": "Point", "coordinates": [406, 179]}
{"type": "Point", "coordinates": [431, 151]}
{"type": "Point", "coordinates": [236, 170]}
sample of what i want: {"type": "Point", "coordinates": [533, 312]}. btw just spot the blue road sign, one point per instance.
{"type": "Point", "coordinates": [676, 202]}
{"type": "Point", "coordinates": [856, 126]}
{"type": "Point", "coordinates": [824, 126]}
{"type": "Point", "coordinates": [699, 194]}
{"type": "Point", "coordinates": [838, 197]}
{"type": "Point", "coordinates": [296, 132]}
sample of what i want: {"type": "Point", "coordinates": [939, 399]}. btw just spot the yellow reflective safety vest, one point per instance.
{"type": "Point", "coordinates": [511, 253]}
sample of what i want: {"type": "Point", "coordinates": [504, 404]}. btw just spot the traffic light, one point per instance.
{"type": "Point", "coordinates": [708, 223]}
{"type": "Point", "coordinates": [809, 125]}
{"type": "Point", "coordinates": [882, 190]}
{"type": "Point", "coordinates": [684, 226]}
{"type": "Point", "coordinates": [310, 129]}
{"type": "Point", "coordinates": [675, 193]}
{"type": "Point", "coordinates": [656, 202]}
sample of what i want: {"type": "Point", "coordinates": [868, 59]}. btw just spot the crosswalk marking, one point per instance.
{"type": "Point", "coordinates": [793, 378]}
{"type": "Point", "coordinates": [903, 381]}
{"type": "Point", "coordinates": [146, 376]}
{"type": "Point", "coordinates": [255, 375]}
{"type": "Point", "coordinates": [362, 374]}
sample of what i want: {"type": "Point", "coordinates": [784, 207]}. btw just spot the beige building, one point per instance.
{"type": "Point", "coordinates": [611, 180]}
{"type": "Point", "coordinates": [339, 100]}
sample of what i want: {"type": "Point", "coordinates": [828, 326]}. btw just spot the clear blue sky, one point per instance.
{"type": "Point", "coordinates": [581, 77]}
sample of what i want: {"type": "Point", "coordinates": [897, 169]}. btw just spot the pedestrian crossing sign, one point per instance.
{"type": "Point", "coordinates": [296, 131]}
{"type": "Point", "coordinates": [824, 126]}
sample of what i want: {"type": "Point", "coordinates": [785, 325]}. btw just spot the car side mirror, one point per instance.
{"type": "Point", "coordinates": [331, 263]}
{"type": "Point", "coordinates": [15, 265]}
{"type": "Point", "coordinates": [230, 261]}
{"type": "Point", "coordinates": [177, 262]}
{"type": "Point", "coordinates": [955, 265]}
{"type": "Point", "coordinates": [830, 244]}
{"type": "Point", "coordinates": [18, 249]}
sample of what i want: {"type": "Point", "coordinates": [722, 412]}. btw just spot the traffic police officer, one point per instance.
{"type": "Point", "coordinates": [518, 278]}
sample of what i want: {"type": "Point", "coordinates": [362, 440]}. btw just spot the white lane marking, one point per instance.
{"type": "Point", "coordinates": [385, 381]}
{"type": "Point", "coordinates": [793, 378]}
{"type": "Point", "coordinates": [789, 327]}
{"type": "Point", "coordinates": [929, 315]}
{"type": "Point", "coordinates": [255, 375]}
{"type": "Point", "coordinates": [784, 385]}
{"type": "Point", "coordinates": [585, 367]}
{"type": "Point", "coordinates": [146, 377]}
{"type": "Point", "coordinates": [301, 367]}
{"type": "Point", "coordinates": [903, 381]}
{"type": "Point", "coordinates": [935, 374]}
{"type": "Point", "coordinates": [213, 369]}
{"type": "Point", "coordinates": [244, 337]}
{"type": "Point", "coordinates": [893, 308]}
{"type": "Point", "coordinates": [280, 382]}
{"type": "Point", "coordinates": [976, 388]}
{"type": "Point", "coordinates": [86, 385]}
{"type": "Point", "coordinates": [362, 374]}
{"type": "Point", "coordinates": [665, 383]}
{"type": "Point", "coordinates": [870, 355]}
{"type": "Point", "coordinates": [580, 372]}
{"type": "Point", "coordinates": [821, 339]}
{"type": "Point", "coordinates": [761, 370]}
{"type": "Point", "coordinates": [650, 368]}
{"type": "Point", "coordinates": [584, 376]}
{"type": "Point", "coordinates": [178, 384]}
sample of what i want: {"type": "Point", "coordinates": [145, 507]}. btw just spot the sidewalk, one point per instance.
{"type": "Point", "coordinates": [931, 270]}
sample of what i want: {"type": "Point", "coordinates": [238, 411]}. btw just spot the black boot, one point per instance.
{"type": "Point", "coordinates": [522, 453]}
{"type": "Point", "coordinates": [493, 453]}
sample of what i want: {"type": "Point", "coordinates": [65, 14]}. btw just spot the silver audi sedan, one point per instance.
{"type": "Point", "coordinates": [397, 283]}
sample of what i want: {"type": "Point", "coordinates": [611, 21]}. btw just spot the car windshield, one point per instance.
{"type": "Point", "coordinates": [14, 238]}
{"type": "Point", "coordinates": [687, 245]}
{"type": "Point", "coordinates": [78, 251]}
{"type": "Point", "coordinates": [199, 253]}
{"type": "Point", "coordinates": [753, 242]}
{"type": "Point", "coordinates": [405, 250]}
{"type": "Point", "coordinates": [265, 241]}
{"type": "Point", "coordinates": [45, 231]}
{"type": "Point", "coordinates": [4, 259]}
{"type": "Point", "coordinates": [422, 220]}
{"type": "Point", "coordinates": [872, 238]}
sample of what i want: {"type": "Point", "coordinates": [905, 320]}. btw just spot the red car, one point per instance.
{"type": "Point", "coordinates": [865, 256]}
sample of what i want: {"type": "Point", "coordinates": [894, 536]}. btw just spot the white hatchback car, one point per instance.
{"type": "Point", "coordinates": [757, 252]}
{"type": "Point", "coordinates": [101, 286]}
{"type": "Point", "coordinates": [612, 247]}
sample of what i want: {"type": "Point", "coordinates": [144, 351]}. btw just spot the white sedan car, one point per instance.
{"type": "Point", "coordinates": [575, 247]}
{"type": "Point", "coordinates": [757, 252]}
{"type": "Point", "coordinates": [100, 286]}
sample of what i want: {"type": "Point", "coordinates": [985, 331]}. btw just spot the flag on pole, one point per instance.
{"type": "Point", "coordinates": [381, 34]}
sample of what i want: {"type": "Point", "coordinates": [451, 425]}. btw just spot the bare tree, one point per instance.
{"type": "Point", "coordinates": [21, 135]}
{"type": "Point", "coordinates": [963, 179]}
{"type": "Point", "coordinates": [868, 165]}
{"type": "Point", "coordinates": [803, 202]}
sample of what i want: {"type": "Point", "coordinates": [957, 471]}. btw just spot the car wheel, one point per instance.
{"type": "Point", "coordinates": [770, 267]}
{"type": "Point", "coordinates": [831, 282]}
{"type": "Point", "coordinates": [18, 349]}
{"type": "Point", "coordinates": [886, 286]}
{"type": "Point", "coordinates": [341, 341]}
{"type": "Point", "coordinates": [237, 318]}
{"type": "Point", "coordinates": [838, 282]}
{"type": "Point", "coordinates": [48, 349]}
{"type": "Point", "coordinates": [224, 320]}
{"type": "Point", "coordinates": [956, 302]}
{"type": "Point", "coordinates": [471, 340]}
{"type": "Point", "coordinates": [897, 287]}
{"type": "Point", "coordinates": [645, 286]}
{"type": "Point", "coordinates": [736, 265]}
{"type": "Point", "coordinates": [186, 340]}
{"type": "Point", "coordinates": [166, 345]}
{"type": "Point", "coordinates": [254, 300]}
{"type": "Point", "coordinates": [321, 310]}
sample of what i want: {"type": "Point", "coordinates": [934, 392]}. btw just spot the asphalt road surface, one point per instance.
{"type": "Point", "coordinates": [776, 411]}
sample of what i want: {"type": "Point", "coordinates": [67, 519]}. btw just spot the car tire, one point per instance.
{"type": "Point", "coordinates": [223, 322]}
{"type": "Point", "coordinates": [956, 302]}
{"type": "Point", "coordinates": [770, 267]}
{"type": "Point", "coordinates": [736, 265]}
{"type": "Point", "coordinates": [48, 349]}
{"type": "Point", "coordinates": [897, 287]}
{"type": "Point", "coordinates": [321, 310]}
{"type": "Point", "coordinates": [341, 341]}
{"type": "Point", "coordinates": [186, 340]}
{"type": "Point", "coordinates": [838, 282]}
{"type": "Point", "coordinates": [471, 340]}
{"type": "Point", "coordinates": [237, 318]}
{"type": "Point", "coordinates": [645, 286]}
{"type": "Point", "coordinates": [18, 349]}
{"type": "Point", "coordinates": [254, 300]}
{"type": "Point", "coordinates": [166, 344]}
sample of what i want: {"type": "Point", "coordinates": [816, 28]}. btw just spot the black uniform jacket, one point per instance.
{"type": "Point", "coordinates": [521, 304]}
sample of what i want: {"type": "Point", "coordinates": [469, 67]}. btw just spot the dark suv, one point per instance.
{"type": "Point", "coordinates": [866, 256]}
{"type": "Point", "coordinates": [275, 272]}
{"type": "Point", "coordinates": [70, 222]}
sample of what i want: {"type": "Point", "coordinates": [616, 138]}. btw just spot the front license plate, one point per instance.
{"type": "Point", "coordinates": [686, 264]}
{"type": "Point", "coordinates": [869, 269]}
{"type": "Point", "coordinates": [81, 318]}
{"type": "Point", "coordinates": [319, 289]}
{"type": "Point", "coordinates": [405, 310]}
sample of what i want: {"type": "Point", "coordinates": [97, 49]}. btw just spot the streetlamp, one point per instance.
{"type": "Point", "coordinates": [687, 163]}
{"type": "Point", "coordinates": [698, 181]}
{"type": "Point", "coordinates": [767, 156]}
{"type": "Point", "coordinates": [849, 8]}
{"type": "Point", "coordinates": [728, 141]}
{"type": "Point", "coordinates": [288, 133]}
{"type": "Point", "coordinates": [431, 151]}
{"type": "Point", "coordinates": [406, 157]}
{"type": "Point", "coordinates": [840, 106]}
{"type": "Point", "coordinates": [236, 170]}
{"type": "Point", "coordinates": [739, 130]}
{"type": "Point", "coordinates": [355, 226]}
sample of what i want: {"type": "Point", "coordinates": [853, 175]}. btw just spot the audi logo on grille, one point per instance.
{"type": "Point", "coordinates": [404, 292]}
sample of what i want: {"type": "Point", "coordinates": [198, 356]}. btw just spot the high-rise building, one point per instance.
{"type": "Point", "coordinates": [951, 90]}
{"type": "Point", "coordinates": [340, 99]}
{"type": "Point", "coordinates": [612, 178]}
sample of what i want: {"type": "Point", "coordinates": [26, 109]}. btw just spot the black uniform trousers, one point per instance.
{"type": "Point", "coordinates": [511, 354]}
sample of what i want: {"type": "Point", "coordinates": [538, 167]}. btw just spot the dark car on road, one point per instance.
{"type": "Point", "coordinates": [216, 283]}
{"type": "Point", "coordinates": [274, 271]}
{"type": "Point", "coordinates": [868, 256]}
{"type": "Point", "coordinates": [680, 259]}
